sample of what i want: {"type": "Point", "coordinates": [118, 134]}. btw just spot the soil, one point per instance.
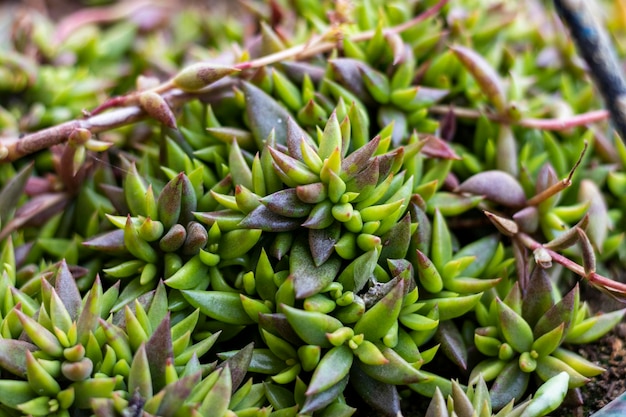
{"type": "Point", "coordinates": [609, 352]}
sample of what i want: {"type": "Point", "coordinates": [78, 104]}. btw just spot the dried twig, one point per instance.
{"type": "Point", "coordinates": [532, 123]}
{"type": "Point", "coordinates": [614, 288]}
{"type": "Point", "coordinates": [12, 149]}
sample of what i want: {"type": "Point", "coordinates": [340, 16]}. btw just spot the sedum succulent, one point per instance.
{"type": "Point", "coordinates": [476, 401]}
{"type": "Point", "coordinates": [365, 198]}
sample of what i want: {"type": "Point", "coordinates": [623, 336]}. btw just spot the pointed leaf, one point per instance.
{"type": "Point", "coordinates": [265, 114]}
{"type": "Point", "coordinates": [310, 279]}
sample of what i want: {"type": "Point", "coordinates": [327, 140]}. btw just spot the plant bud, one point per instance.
{"type": "Point", "coordinates": [79, 136]}
{"type": "Point", "coordinates": [197, 76]}
{"type": "Point", "coordinates": [155, 105]}
{"type": "Point", "coordinates": [484, 74]}
{"type": "Point", "coordinates": [527, 363]}
{"type": "Point", "coordinates": [542, 258]}
{"type": "Point", "coordinates": [505, 226]}
{"type": "Point", "coordinates": [505, 352]}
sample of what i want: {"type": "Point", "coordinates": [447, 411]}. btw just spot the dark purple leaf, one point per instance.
{"type": "Point", "coordinates": [322, 242]}
{"type": "Point", "coordinates": [380, 396]}
{"type": "Point", "coordinates": [286, 203]}
{"type": "Point", "coordinates": [238, 364]}
{"type": "Point", "coordinates": [452, 344]}
{"type": "Point", "coordinates": [438, 148]}
{"type": "Point", "coordinates": [13, 190]}
{"type": "Point", "coordinates": [538, 298]}
{"type": "Point", "coordinates": [268, 221]}
{"type": "Point", "coordinates": [264, 114]}
{"type": "Point", "coordinates": [510, 384]}
{"type": "Point", "coordinates": [278, 325]}
{"type": "Point", "coordinates": [109, 242]}
{"type": "Point", "coordinates": [346, 72]}
{"type": "Point", "coordinates": [396, 241]}
{"type": "Point", "coordinates": [159, 350]}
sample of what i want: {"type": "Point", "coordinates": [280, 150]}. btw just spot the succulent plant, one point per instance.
{"type": "Point", "coordinates": [476, 401]}
{"type": "Point", "coordinates": [363, 192]}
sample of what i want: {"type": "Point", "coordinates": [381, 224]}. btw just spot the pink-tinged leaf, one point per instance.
{"type": "Point", "coordinates": [109, 242]}
{"type": "Point", "coordinates": [435, 147]}
{"type": "Point", "coordinates": [65, 286]}
{"type": "Point", "coordinates": [545, 178]}
{"type": "Point", "coordinates": [36, 212]}
{"type": "Point", "coordinates": [346, 72]}
{"type": "Point", "coordinates": [562, 312]}
{"type": "Point", "coordinates": [395, 42]}
{"type": "Point", "coordinates": [539, 297]}
{"type": "Point", "coordinates": [484, 74]}
{"type": "Point", "coordinates": [176, 393]}
{"type": "Point", "coordinates": [155, 105]}
{"type": "Point", "coordinates": [12, 191]}
{"type": "Point", "coordinates": [448, 125]}
{"type": "Point", "coordinates": [13, 355]}
{"type": "Point", "coordinates": [159, 350]}
{"type": "Point", "coordinates": [527, 219]}
{"type": "Point", "coordinates": [497, 186]}
{"type": "Point", "coordinates": [286, 203]}
{"type": "Point", "coordinates": [295, 134]}
{"type": "Point", "coordinates": [278, 325]}
{"type": "Point", "coordinates": [588, 254]}
{"type": "Point", "coordinates": [296, 71]}
{"type": "Point", "coordinates": [358, 160]}
{"type": "Point", "coordinates": [116, 196]}
{"type": "Point", "coordinates": [506, 226]}
{"type": "Point", "coordinates": [238, 364]}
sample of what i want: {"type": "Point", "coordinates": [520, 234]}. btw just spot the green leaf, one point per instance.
{"type": "Point", "coordinates": [311, 326]}
{"type": "Point", "coordinates": [332, 368]}
{"type": "Point", "coordinates": [309, 278]}
{"type": "Point", "coordinates": [514, 328]}
{"type": "Point", "coordinates": [376, 321]}
{"type": "Point", "coordinates": [511, 383]}
{"type": "Point", "coordinates": [219, 305]}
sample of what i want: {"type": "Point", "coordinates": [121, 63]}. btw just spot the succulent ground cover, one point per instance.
{"type": "Point", "coordinates": [303, 208]}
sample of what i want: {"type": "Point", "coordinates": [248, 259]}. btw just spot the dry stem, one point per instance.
{"type": "Point", "coordinates": [610, 286]}
{"type": "Point", "coordinates": [12, 149]}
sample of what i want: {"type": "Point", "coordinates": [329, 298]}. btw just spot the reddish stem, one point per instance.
{"type": "Point", "coordinates": [594, 278]}
{"type": "Point", "coordinates": [543, 124]}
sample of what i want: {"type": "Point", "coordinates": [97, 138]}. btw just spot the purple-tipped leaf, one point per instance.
{"type": "Point", "coordinates": [497, 186]}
